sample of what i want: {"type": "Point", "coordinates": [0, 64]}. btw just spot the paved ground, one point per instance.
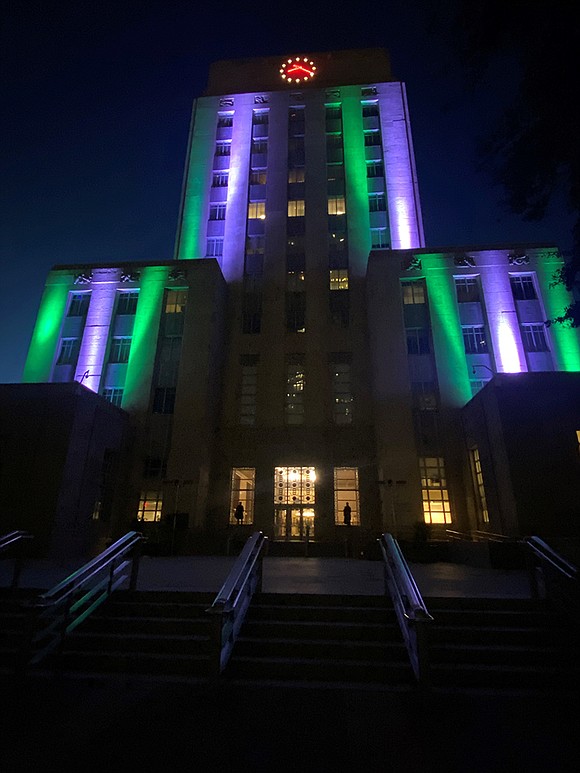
{"type": "Point", "coordinates": [296, 575]}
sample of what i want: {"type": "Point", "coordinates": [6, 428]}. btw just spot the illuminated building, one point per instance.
{"type": "Point", "coordinates": [275, 363]}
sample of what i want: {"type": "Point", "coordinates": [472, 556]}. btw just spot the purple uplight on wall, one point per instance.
{"type": "Point", "coordinates": [96, 333]}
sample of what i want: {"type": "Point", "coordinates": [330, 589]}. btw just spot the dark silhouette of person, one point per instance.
{"type": "Point", "coordinates": [239, 513]}
{"type": "Point", "coordinates": [346, 514]}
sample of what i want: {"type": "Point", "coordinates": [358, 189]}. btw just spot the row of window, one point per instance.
{"type": "Point", "coordinates": [475, 339]}
{"type": "Point", "coordinates": [467, 289]}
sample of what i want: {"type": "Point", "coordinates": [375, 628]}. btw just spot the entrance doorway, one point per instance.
{"type": "Point", "coordinates": [293, 523]}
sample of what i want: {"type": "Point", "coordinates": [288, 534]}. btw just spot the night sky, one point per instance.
{"type": "Point", "coordinates": [96, 103]}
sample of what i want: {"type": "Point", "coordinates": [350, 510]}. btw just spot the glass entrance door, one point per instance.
{"type": "Point", "coordinates": [293, 523]}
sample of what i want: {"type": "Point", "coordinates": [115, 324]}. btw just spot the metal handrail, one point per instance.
{"type": "Point", "coordinates": [8, 541]}
{"type": "Point", "coordinates": [409, 606]}
{"type": "Point", "coordinates": [559, 576]}
{"type": "Point", "coordinates": [57, 612]}
{"type": "Point", "coordinates": [232, 601]}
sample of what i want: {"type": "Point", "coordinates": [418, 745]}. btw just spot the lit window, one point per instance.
{"type": "Point", "coordinates": [243, 488]}
{"type": "Point", "coordinates": [413, 292]}
{"type": "Point", "coordinates": [479, 487]}
{"type": "Point", "coordinates": [214, 248]}
{"type": "Point", "coordinates": [258, 177]}
{"type": "Point", "coordinates": [436, 507]}
{"type": "Point", "coordinates": [295, 384]}
{"type": "Point", "coordinates": [418, 340]}
{"type": "Point", "coordinates": [338, 279]}
{"type": "Point", "coordinates": [257, 210]}
{"type": "Point", "coordinates": [467, 289]}
{"type": "Point", "coordinates": [336, 205]}
{"type": "Point", "coordinates": [79, 304]}
{"type": "Point", "coordinates": [217, 212]}
{"type": "Point", "coordinates": [113, 395]}
{"type": "Point", "coordinates": [346, 493]}
{"type": "Point", "coordinates": [150, 506]}
{"type": "Point", "coordinates": [294, 485]}
{"type": "Point", "coordinates": [296, 174]}
{"type": "Point", "coordinates": [534, 338]}
{"type": "Point", "coordinates": [69, 350]}
{"type": "Point", "coordinates": [127, 303]}
{"type": "Point", "coordinates": [523, 287]}
{"type": "Point", "coordinates": [120, 348]}
{"type": "Point", "coordinates": [175, 301]}
{"type": "Point", "coordinates": [474, 339]}
{"type": "Point", "coordinates": [248, 388]}
{"type": "Point", "coordinates": [296, 208]}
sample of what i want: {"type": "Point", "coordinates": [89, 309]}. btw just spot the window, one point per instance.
{"type": "Point", "coordinates": [295, 310]}
{"type": "Point", "coordinates": [243, 488]}
{"type": "Point", "coordinates": [79, 304]}
{"type": "Point", "coordinates": [477, 385]}
{"type": "Point", "coordinates": [534, 338]}
{"type": "Point", "coordinates": [346, 493]}
{"type": "Point", "coordinates": [295, 383]}
{"type": "Point", "coordinates": [214, 248]}
{"type": "Point", "coordinates": [333, 112]}
{"type": "Point", "coordinates": [340, 308]}
{"type": "Point", "coordinates": [225, 120]}
{"type": "Point", "coordinates": [248, 388]}
{"type": "Point", "coordinates": [175, 301]}
{"type": "Point", "coordinates": [223, 148]}
{"type": "Point", "coordinates": [479, 487]}
{"type": "Point", "coordinates": [154, 467]}
{"type": "Point", "coordinates": [220, 179]}
{"type": "Point", "coordinates": [127, 303]}
{"type": "Point", "coordinates": [375, 169]}
{"type": "Point", "coordinates": [467, 289]}
{"type": "Point", "coordinates": [114, 395]}
{"type": "Point", "coordinates": [334, 172]}
{"type": "Point", "coordinates": [413, 292]}
{"type": "Point", "coordinates": [370, 109]}
{"type": "Point", "coordinates": [342, 399]}
{"type": "Point", "coordinates": [164, 400]}
{"type": "Point", "coordinates": [523, 287]}
{"type": "Point", "coordinates": [294, 485]}
{"type": "Point", "coordinates": [217, 212]}
{"type": "Point", "coordinates": [377, 202]}
{"type": "Point", "coordinates": [425, 395]}
{"type": "Point", "coordinates": [259, 147]}
{"type": "Point", "coordinates": [251, 310]}
{"type": "Point", "coordinates": [372, 138]}
{"type": "Point", "coordinates": [379, 238]}
{"type": "Point", "coordinates": [150, 506]}
{"type": "Point", "coordinates": [296, 208]}
{"type": "Point", "coordinates": [257, 210]}
{"type": "Point", "coordinates": [338, 279]}
{"type": "Point", "coordinates": [69, 349]}
{"type": "Point", "coordinates": [296, 174]}
{"type": "Point", "coordinates": [436, 507]}
{"type": "Point", "coordinates": [295, 281]}
{"type": "Point", "coordinates": [336, 205]}
{"type": "Point", "coordinates": [418, 340]}
{"type": "Point", "coordinates": [258, 177]}
{"type": "Point", "coordinates": [474, 339]}
{"type": "Point", "coordinates": [260, 117]}
{"type": "Point", "coordinates": [334, 140]}
{"type": "Point", "coordinates": [120, 347]}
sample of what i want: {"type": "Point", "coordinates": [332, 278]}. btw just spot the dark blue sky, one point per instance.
{"type": "Point", "coordinates": [96, 101]}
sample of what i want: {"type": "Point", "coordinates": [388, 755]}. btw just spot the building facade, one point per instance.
{"type": "Point", "coordinates": [304, 350]}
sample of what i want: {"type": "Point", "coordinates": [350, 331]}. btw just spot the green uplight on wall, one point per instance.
{"type": "Point", "coordinates": [556, 298]}
{"type": "Point", "coordinates": [46, 333]}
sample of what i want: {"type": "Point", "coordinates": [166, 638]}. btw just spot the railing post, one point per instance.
{"type": "Point", "coordinates": [135, 563]}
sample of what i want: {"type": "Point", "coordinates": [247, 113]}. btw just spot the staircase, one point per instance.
{"type": "Point", "coordinates": [321, 639]}
{"type": "Point", "coordinates": [500, 644]}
